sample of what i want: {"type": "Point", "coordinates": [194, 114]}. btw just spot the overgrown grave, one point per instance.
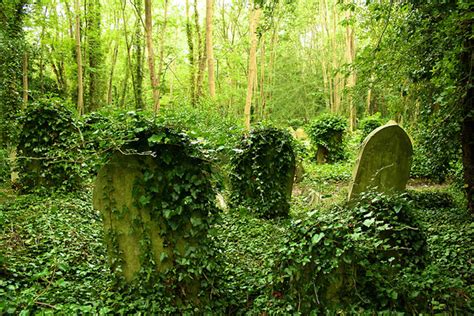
{"type": "Point", "coordinates": [383, 163]}
{"type": "Point", "coordinates": [327, 133]}
{"type": "Point", "coordinates": [49, 148]}
{"type": "Point", "coordinates": [157, 201]}
{"type": "Point", "coordinates": [262, 172]}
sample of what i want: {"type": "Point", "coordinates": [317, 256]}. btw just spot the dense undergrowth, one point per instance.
{"type": "Point", "coordinates": [53, 259]}
{"type": "Point", "coordinates": [410, 253]}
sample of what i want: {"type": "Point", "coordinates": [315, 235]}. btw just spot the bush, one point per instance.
{"type": "Point", "coordinates": [262, 172]}
{"type": "Point", "coordinates": [369, 123]}
{"type": "Point", "coordinates": [326, 133]}
{"type": "Point", "coordinates": [49, 148]}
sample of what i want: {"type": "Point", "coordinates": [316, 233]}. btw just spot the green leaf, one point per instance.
{"type": "Point", "coordinates": [317, 238]}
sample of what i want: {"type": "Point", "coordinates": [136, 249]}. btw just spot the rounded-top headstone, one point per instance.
{"type": "Point", "coordinates": [383, 163]}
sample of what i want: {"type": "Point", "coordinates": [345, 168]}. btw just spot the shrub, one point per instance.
{"type": "Point", "coordinates": [369, 123]}
{"type": "Point", "coordinates": [262, 171]}
{"type": "Point", "coordinates": [326, 132]}
{"type": "Point", "coordinates": [49, 148]}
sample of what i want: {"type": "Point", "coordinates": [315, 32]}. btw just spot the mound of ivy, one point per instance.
{"type": "Point", "coordinates": [262, 172]}
{"type": "Point", "coordinates": [49, 148]}
{"type": "Point", "coordinates": [352, 256]}
{"type": "Point", "coordinates": [326, 133]}
{"type": "Point", "coordinates": [369, 123]}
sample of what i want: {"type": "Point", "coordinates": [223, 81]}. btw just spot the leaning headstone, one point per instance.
{"type": "Point", "coordinates": [383, 163]}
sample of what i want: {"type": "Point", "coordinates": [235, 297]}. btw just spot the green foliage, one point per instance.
{"type": "Point", "coordinates": [49, 148]}
{"type": "Point", "coordinates": [177, 191]}
{"type": "Point", "coordinates": [246, 251]}
{"type": "Point", "coordinates": [369, 123]}
{"type": "Point", "coordinates": [4, 166]}
{"type": "Point", "coordinates": [326, 132]}
{"type": "Point", "coordinates": [12, 47]}
{"type": "Point", "coordinates": [331, 255]}
{"type": "Point", "coordinates": [433, 155]}
{"type": "Point", "coordinates": [262, 171]}
{"type": "Point", "coordinates": [53, 255]}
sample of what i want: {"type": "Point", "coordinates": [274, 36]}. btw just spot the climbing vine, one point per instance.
{"type": "Point", "coordinates": [49, 148]}
{"type": "Point", "coordinates": [173, 201]}
{"type": "Point", "coordinates": [262, 171]}
{"type": "Point", "coordinates": [326, 133]}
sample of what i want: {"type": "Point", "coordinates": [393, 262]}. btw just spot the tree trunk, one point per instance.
{"type": "Point", "coordinates": [25, 79]}
{"type": "Point", "coordinates": [192, 67]}
{"type": "Point", "coordinates": [467, 132]}
{"type": "Point", "coordinates": [252, 65]}
{"type": "Point", "coordinates": [162, 54]}
{"type": "Point", "coordinates": [138, 56]}
{"type": "Point", "coordinates": [151, 54]}
{"type": "Point", "coordinates": [201, 52]}
{"type": "Point", "coordinates": [209, 47]}
{"type": "Point", "coordinates": [111, 77]}
{"type": "Point", "coordinates": [350, 55]}
{"type": "Point", "coordinates": [96, 57]}
{"type": "Point", "coordinates": [80, 87]}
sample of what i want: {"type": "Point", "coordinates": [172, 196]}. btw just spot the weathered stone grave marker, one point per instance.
{"type": "Point", "coordinates": [156, 212]}
{"type": "Point", "coordinates": [384, 161]}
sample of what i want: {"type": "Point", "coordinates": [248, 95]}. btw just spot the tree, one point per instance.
{"type": "Point", "coordinates": [151, 55]}
{"type": "Point", "coordinates": [252, 63]}
{"type": "Point", "coordinates": [80, 87]}
{"type": "Point", "coordinates": [209, 46]}
{"type": "Point", "coordinates": [12, 48]}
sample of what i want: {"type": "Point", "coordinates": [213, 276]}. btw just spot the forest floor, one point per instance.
{"type": "Point", "coordinates": [53, 259]}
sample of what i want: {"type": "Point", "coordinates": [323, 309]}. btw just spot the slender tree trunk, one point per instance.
{"type": "Point", "coordinates": [111, 77]}
{"type": "Point", "coordinates": [262, 77]}
{"type": "Point", "coordinates": [138, 56]}
{"type": "Point", "coordinates": [209, 47]}
{"type": "Point", "coordinates": [350, 53]}
{"type": "Point", "coordinates": [192, 67]}
{"type": "Point", "coordinates": [162, 54]}
{"type": "Point", "coordinates": [25, 79]}
{"type": "Point", "coordinates": [96, 75]}
{"type": "Point", "coordinates": [201, 54]}
{"type": "Point", "coordinates": [80, 88]}
{"type": "Point", "coordinates": [151, 54]}
{"type": "Point", "coordinates": [467, 125]}
{"type": "Point", "coordinates": [252, 65]}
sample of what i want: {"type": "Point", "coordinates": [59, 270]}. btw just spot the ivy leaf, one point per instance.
{"type": "Point", "coordinates": [317, 238]}
{"type": "Point", "coordinates": [368, 222]}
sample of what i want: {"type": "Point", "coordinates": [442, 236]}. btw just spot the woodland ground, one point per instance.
{"type": "Point", "coordinates": [53, 259]}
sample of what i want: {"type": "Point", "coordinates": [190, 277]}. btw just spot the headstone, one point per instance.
{"type": "Point", "coordinates": [124, 221]}
{"type": "Point", "coordinates": [136, 238]}
{"type": "Point", "coordinates": [383, 163]}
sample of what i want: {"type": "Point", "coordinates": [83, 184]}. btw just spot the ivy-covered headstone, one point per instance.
{"type": "Point", "coordinates": [49, 148]}
{"type": "Point", "coordinates": [383, 163]}
{"type": "Point", "coordinates": [157, 203]}
{"type": "Point", "coordinates": [263, 169]}
{"type": "Point", "coordinates": [327, 133]}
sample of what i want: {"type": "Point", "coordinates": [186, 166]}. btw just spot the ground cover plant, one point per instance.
{"type": "Point", "coordinates": [200, 157]}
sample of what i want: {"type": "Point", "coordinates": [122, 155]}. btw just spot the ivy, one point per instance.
{"type": "Point", "coordinates": [49, 148]}
{"type": "Point", "coordinates": [176, 190]}
{"type": "Point", "coordinates": [348, 256]}
{"type": "Point", "coordinates": [369, 123]}
{"type": "Point", "coordinates": [262, 171]}
{"type": "Point", "coordinates": [326, 133]}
